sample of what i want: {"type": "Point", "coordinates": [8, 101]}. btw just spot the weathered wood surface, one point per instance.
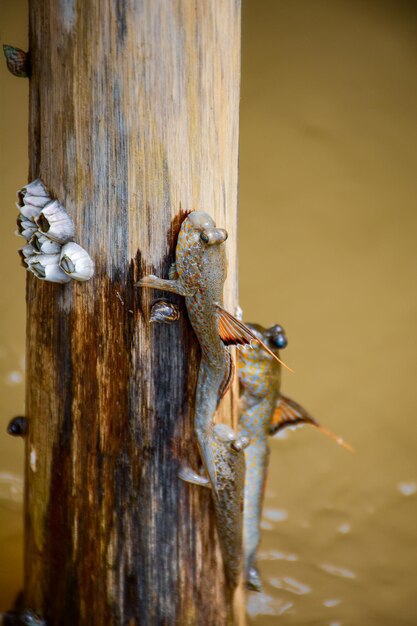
{"type": "Point", "coordinates": [133, 119]}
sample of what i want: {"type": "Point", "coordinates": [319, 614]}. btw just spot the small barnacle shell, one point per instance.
{"type": "Point", "coordinates": [46, 267]}
{"type": "Point", "coordinates": [39, 201]}
{"type": "Point", "coordinates": [55, 222]}
{"type": "Point", "coordinates": [35, 188]}
{"type": "Point", "coordinates": [26, 253]}
{"type": "Point", "coordinates": [29, 210]}
{"type": "Point", "coordinates": [43, 245]}
{"type": "Point", "coordinates": [25, 227]}
{"type": "Point", "coordinates": [34, 193]}
{"type": "Point", "coordinates": [76, 262]}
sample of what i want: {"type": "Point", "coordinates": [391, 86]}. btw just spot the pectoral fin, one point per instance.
{"type": "Point", "coordinates": [190, 476]}
{"type": "Point", "coordinates": [289, 413]}
{"type": "Point", "coordinates": [233, 332]}
{"type": "Point", "coordinates": [174, 286]}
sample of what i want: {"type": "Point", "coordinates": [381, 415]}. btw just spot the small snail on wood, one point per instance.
{"type": "Point", "coordinates": [17, 61]}
{"type": "Point", "coordinates": [165, 312]}
{"type": "Point", "coordinates": [18, 426]}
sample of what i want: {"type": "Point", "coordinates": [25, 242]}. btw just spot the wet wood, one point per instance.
{"type": "Point", "coordinates": [133, 121]}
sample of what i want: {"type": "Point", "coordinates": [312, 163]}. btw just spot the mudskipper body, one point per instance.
{"type": "Point", "coordinates": [263, 412]}
{"type": "Point", "coordinates": [199, 274]}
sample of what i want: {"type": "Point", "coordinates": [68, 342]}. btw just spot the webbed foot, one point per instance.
{"type": "Point", "coordinates": [190, 476]}
{"type": "Point", "coordinates": [174, 286]}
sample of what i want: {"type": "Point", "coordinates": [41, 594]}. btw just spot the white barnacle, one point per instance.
{"type": "Point", "coordinates": [35, 188]}
{"type": "Point", "coordinates": [43, 245]}
{"type": "Point", "coordinates": [26, 253]}
{"type": "Point", "coordinates": [29, 211]}
{"type": "Point", "coordinates": [46, 267]}
{"type": "Point", "coordinates": [35, 194]}
{"type": "Point", "coordinates": [39, 201]}
{"type": "Point", "coordinates": [76, 262]}
{"type": "Point", "coordinates": [25, 227]}
{"type": "Point", "coordinates": [55, 222]}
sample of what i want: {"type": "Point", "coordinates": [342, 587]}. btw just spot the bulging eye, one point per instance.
{"type": "Point", "coordinates": [279, 341]}
{"type": "Point", "coordinates": [204, 237]}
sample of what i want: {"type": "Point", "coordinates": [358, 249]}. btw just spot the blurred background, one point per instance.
{"type": "Point", "coordinates": [327, 244]}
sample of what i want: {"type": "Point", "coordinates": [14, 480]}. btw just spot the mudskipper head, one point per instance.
{"type": "Point", "coordinates": [256, 365]}
{"type": "Point", "coordinates": [198, 236]}
{"type": "Point", "coordinates": [199, 228]}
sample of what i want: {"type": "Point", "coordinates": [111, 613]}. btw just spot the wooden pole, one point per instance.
{"type": "Point", "coordinates": [133, 120]}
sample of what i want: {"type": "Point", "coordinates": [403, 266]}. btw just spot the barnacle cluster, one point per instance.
{"type": "Point", "coordinates": [48, 229]}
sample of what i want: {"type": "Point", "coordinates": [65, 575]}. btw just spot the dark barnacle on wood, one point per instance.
{"type": "Point", "coordinates": [18, 426]}
{"type": "Point", "coordinates": [17, 61]}
{"type": "Point", "coordinates": [22, 618]}
{"type": "Point", "coordinates": [165, 312]}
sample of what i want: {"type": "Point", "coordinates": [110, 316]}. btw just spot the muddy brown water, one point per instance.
{"type": "Point", "coordinates": [327, 238]}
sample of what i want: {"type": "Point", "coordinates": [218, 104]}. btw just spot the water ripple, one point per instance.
{"type": "Point", "coordinates": [291, 585]}
{"type": "Point", "coordinates": [344, 529]}
{"type": "Point", "coordinates": [266, 525]}
{"type": "Point", "coordinates": [407, 489]}
{"type": "Point", "coordinates": [262, 604]}
{"type": "Point", "coordinates": [14, 378]}
{"type": "Point", "coordinates": [11, 490]}
{"type": "Point", "coordinates": [337, 571]}
{"type": "Point", "coordinates": [276, 555]}
{"type": "Point", "coordinates": [275, 515]}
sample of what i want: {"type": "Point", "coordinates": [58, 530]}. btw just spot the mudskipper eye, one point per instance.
{"type": "Point", "coordinates": [280, 341]}
{"type": "Point", "coordinates": [204, 237]}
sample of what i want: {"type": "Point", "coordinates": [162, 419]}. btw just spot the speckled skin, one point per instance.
{"type": "Point", "coordinates": [260, 383]}
{"type": "Point", "coordinates": [263, 412]}
{"type": "Point", "coordinates": [199, 275]}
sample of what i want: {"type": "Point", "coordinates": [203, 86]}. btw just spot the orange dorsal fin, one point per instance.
{"type": "Point", "coordinates": [289, 413]}
{"type": "Point", "coordinates": [233, 332]}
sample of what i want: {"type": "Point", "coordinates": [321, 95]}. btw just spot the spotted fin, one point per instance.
{"type": "Point", "coordinates": [289, 413]}
{"type": "Point", "coordinates": [233, 332]}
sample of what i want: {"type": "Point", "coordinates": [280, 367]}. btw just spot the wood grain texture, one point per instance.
{"type": "Point", "coordinates": [133, 120]}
